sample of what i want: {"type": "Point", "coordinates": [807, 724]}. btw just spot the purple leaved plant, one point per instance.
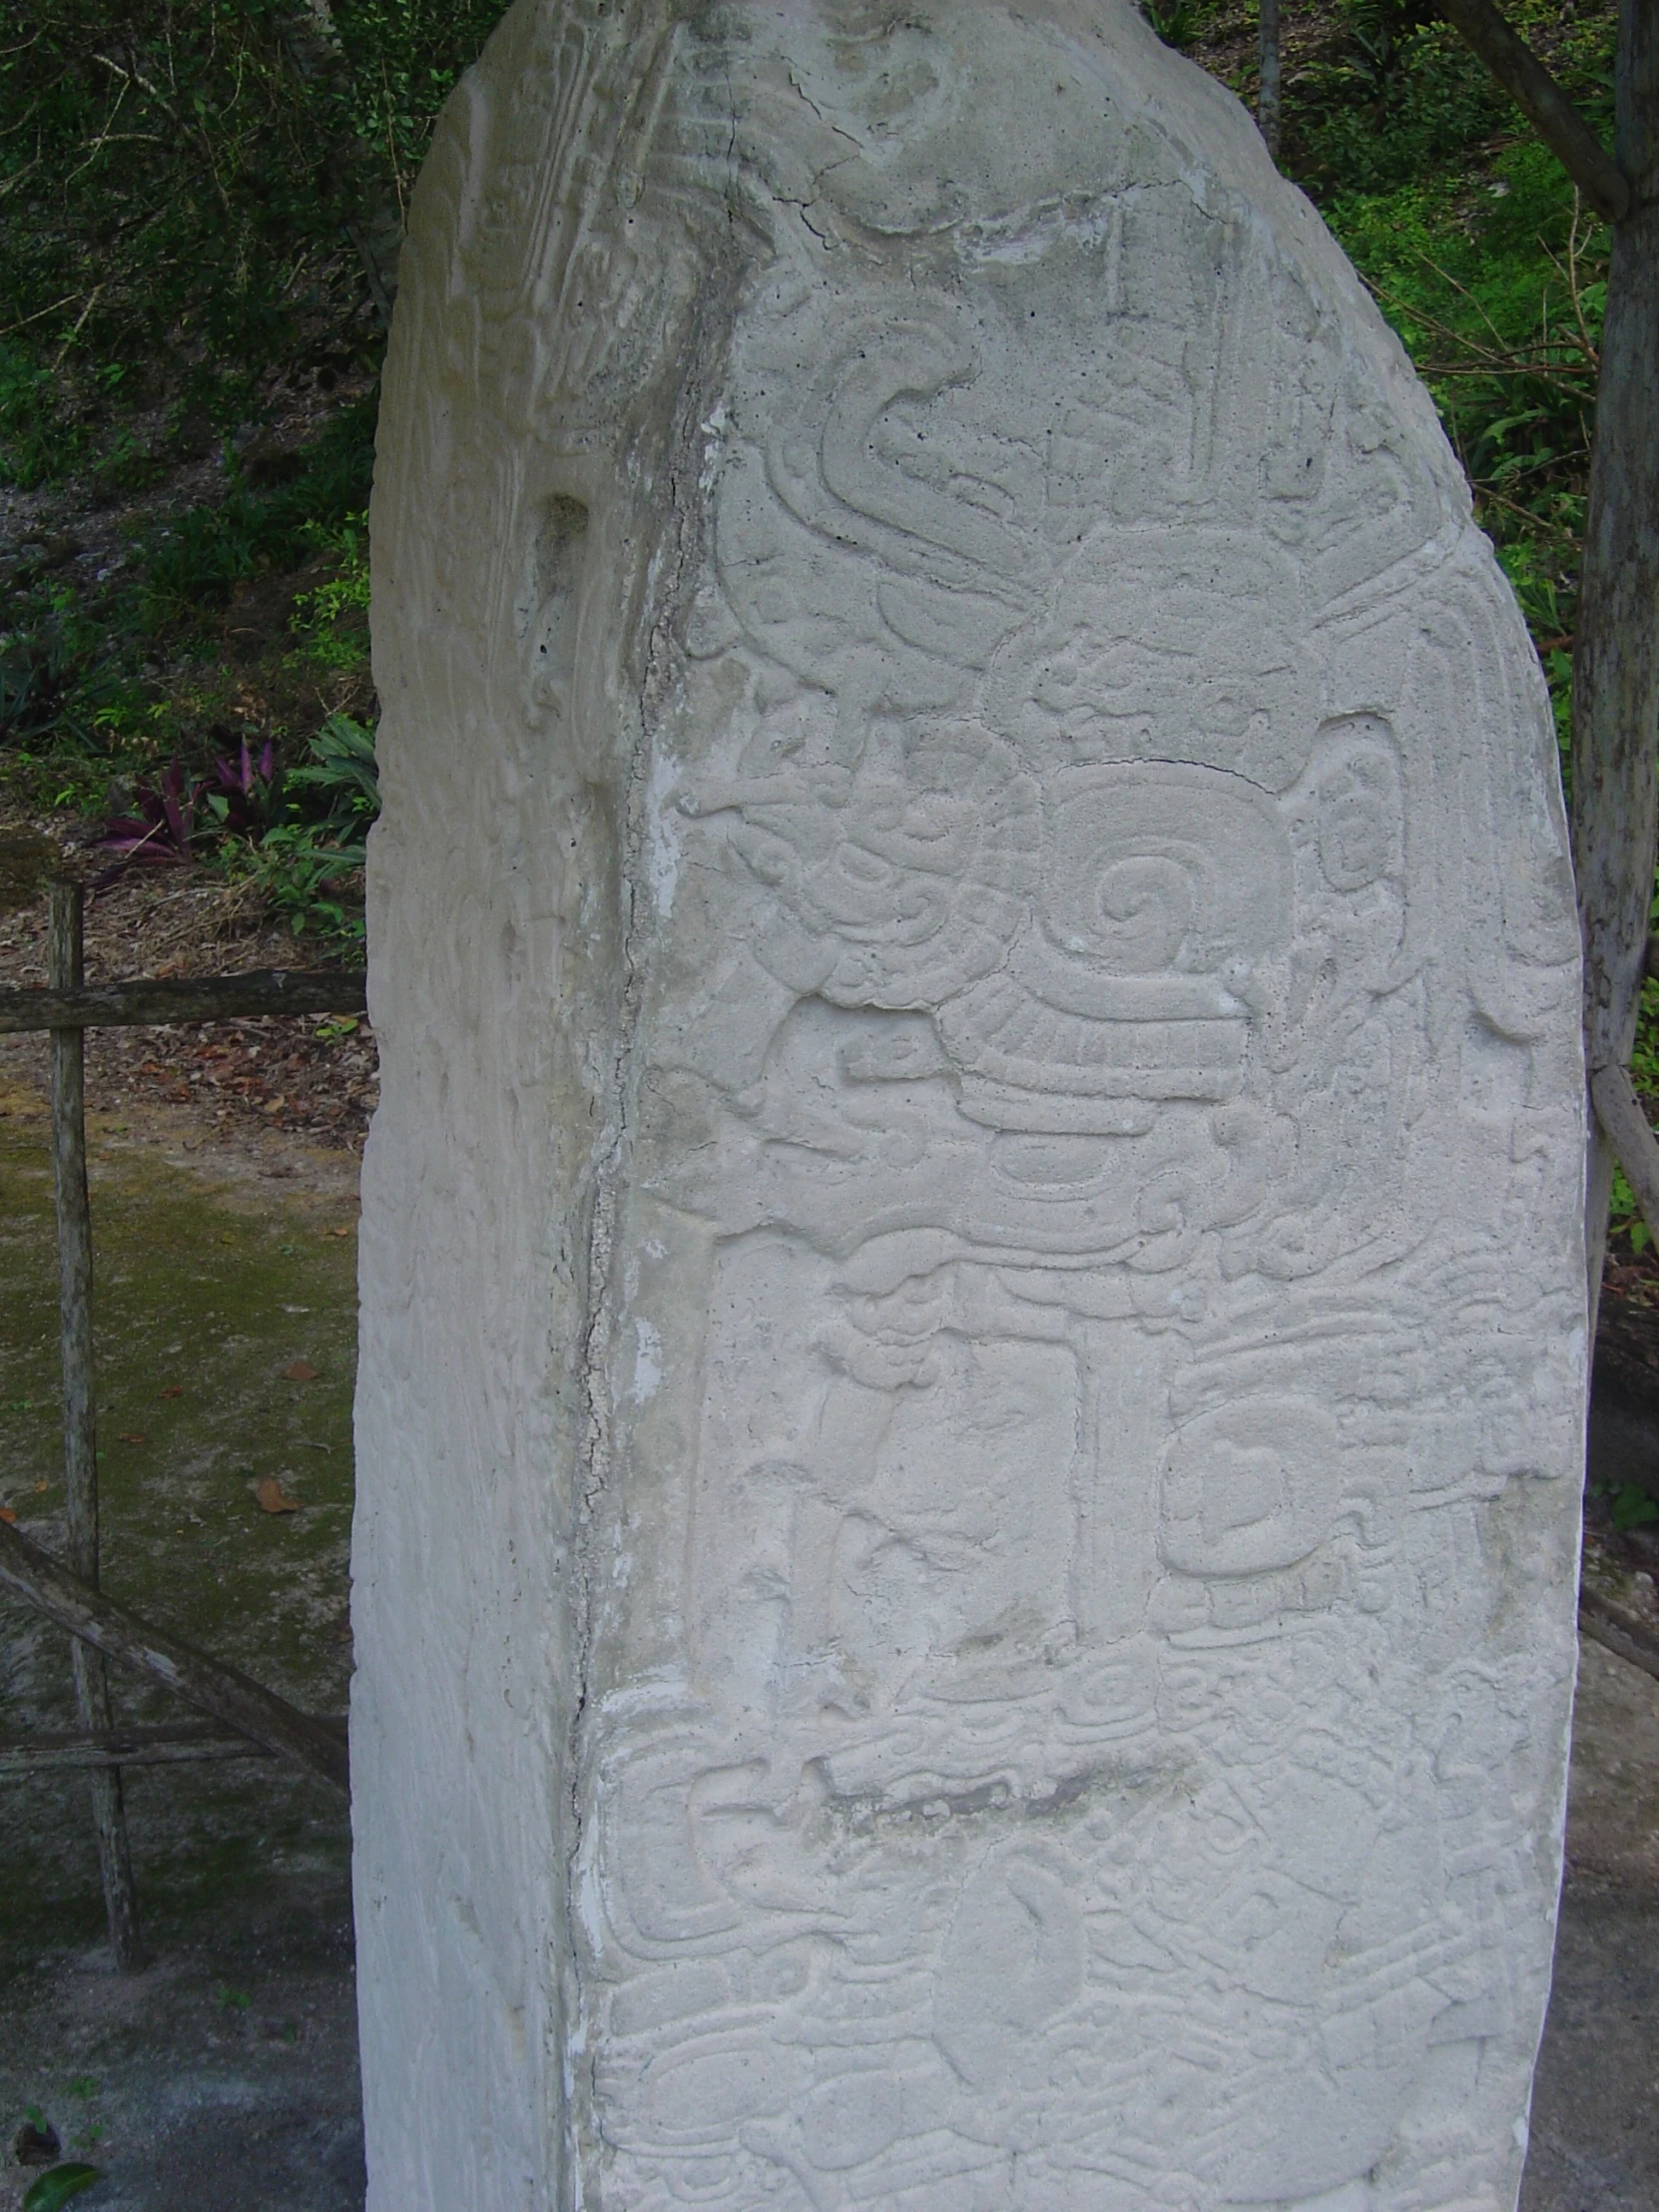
{"type": "Point", "coordinates": [243, 793]}
{"type": "Point", "coordinates": [238, 796]}
{"type": "Point", "coordinates": [162, 823]}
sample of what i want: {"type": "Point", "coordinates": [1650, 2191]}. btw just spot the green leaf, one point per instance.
{"type": "Point", "coordinates": [59, 2184]}
{"type": "Point", "coordinates": [1632, 1509]}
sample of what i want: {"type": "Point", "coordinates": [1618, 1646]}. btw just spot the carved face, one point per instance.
{"type": "Point", "coordinates": [1358, 818]}
{"type": "Point", "coordinates": [906, 839]}
{"type": "Point", "coordinates": [912, 867]}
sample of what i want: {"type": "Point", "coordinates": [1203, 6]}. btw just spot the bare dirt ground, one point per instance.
{"type": "Point", "coordinates": [308, 1075]}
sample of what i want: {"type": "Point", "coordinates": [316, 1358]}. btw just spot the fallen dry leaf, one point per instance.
{"type": "Point", "coordinates": [345, 1231]}
{"type": "Point", "coordinates": [131, 1437]}
{"type": "Point", "coordinates": [273, 1497]}
{"type": "Point", "coordinates": [6, 1513]}
{"type": "Point", "coordinates": [173, 1390]}
{"type": "Point", "coordinates": [299, 1371]}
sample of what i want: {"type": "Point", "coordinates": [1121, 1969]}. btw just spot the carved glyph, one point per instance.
{"type": "Point", "coordinates": [974, 884]}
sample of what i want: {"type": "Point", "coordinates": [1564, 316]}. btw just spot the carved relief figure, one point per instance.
{"type": "Point", "coordinates": [1072, 1088]}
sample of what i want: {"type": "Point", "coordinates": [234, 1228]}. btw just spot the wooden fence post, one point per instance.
{"type": "Point", "coordinates": [80, 1416]}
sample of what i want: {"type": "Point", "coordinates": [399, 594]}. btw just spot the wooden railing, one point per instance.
{"type": "Point", "coordinates": [250, 1721]}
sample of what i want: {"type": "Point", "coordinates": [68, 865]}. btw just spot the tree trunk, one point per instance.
{"type": "Point", "coordinates": [376, 234]}
{"type": "Point", "coordinates": [1615, 677]}
{"type": "Point", "coordinates": [1553, 115]}
{"type": "Point", "coordinates": [1267, 95]}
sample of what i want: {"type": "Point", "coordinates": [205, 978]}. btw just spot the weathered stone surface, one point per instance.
{"type": "Point", "coordinates": [972, 1357]}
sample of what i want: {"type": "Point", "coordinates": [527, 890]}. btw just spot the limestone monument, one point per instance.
{"type": "Point", "coordinates": [972, 1292]}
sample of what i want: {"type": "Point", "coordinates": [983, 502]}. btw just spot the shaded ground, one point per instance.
{"type": "Point", "coordinates": [1595, 2105]}
{"type": "Point", "coordinates": [225, 2075]}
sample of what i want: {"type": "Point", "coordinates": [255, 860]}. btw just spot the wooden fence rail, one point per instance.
{"type": "Point", "coordinates": [183, 998]}
{"type": "Point", "coordinates": [128, 1747]}
{"type": "Point", "coordinates": [223, 1691]}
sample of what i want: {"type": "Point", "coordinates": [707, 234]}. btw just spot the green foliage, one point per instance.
{"type": "Point", "coordinates": [197, 197]}
{"type": "Point", "coordinates": [1624, 1217]}
{"type": "Point", "coordinates": [1397, 96]}
{"type": "Point", "coordinates": [304, 864]}
{"type": "Point", "coordinates": [343, 779]}
{"type": "Point", "coordinates": [402, 59]}
{"type": "Point", "coordinates": [306, 881]}
{"type": "Point", "coordinates": [332, 621]}
{"type": "Point", "coordinates": [1634, 1507]}
{"type": "Point", "coordinates": [1498, 296]}
{"type": "Point", "coordinates": [64, 678]}
{"type": "Point", "coordinates": [102, 686]}
{"type": "Point", "coordinates": [1644, 1060]}
{"type": "Point", "coordinates": [1178, 22]}
{"type": "Point", "coordinates": [34, 441]}
{"type": "Point", "coordinates": [190, 564]}
{"type": "Point", "coordinates": [1497, 292]}
{"type": "Point", "coordinates": [1391, 96]}
{"type": "Point", "coordinates": [80, 698]}
{"type": "Point", "coordinates": [59, 2184]}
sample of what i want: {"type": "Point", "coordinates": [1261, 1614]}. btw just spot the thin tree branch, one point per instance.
{"type": "Point", "coordinates": [93, 297]}
{"type": "Point", "coordinates": [1619, 1630]}
{"type": "Point", "coordinates": [41, 314]}
{"type": "Point", "coordinates": [1593, 352]}
{"type": "Point", "coordinates": [1527, 515]}
{"type": "Point", "coordinates": [1561, 377]}
{"type": "Point", "coordinates": [1627, 1130]}
{"type": "Point", "coordinates": [1553, 115]}
{"type": "Point", "coordinates": [103, 138]}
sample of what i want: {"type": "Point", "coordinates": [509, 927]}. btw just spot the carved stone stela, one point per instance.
{"type": "Point", "coordinates": [973, 1317]}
